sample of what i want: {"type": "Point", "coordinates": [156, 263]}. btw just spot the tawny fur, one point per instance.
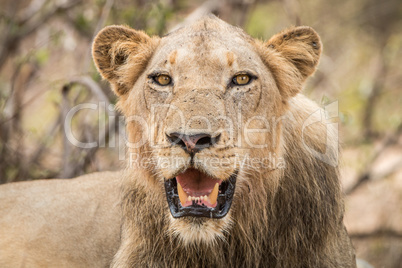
{"type": "Point", "coordinates": [60, 222]}
{"type": "Point", "coordinates": [282, 216]}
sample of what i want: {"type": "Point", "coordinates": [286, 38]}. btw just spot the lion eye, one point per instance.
{"type": "Point", "coordinates": [241, 79]}
{"type": "Point", "coordinates": [163, 79]}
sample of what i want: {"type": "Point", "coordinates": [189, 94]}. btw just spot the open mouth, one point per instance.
{"type": "Point", "coordinates": [193, 193]}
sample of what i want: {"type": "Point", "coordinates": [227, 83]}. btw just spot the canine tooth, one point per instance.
{"type": "Point", "coordinates": [213, 196]}
{"type": "Point", "coordinates": [182, 194]}
{"type": "Point", "coordinates": [189, 198]}
{"type": "Point", "coordinates": [205, 197]}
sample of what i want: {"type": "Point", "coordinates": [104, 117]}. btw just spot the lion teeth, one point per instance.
{"type": "Point", "coordinates": [213, 196]}
{"type": "Point", "coordinates": [182, 194]}
{"type": "Point", "coordinates": [184, 197]}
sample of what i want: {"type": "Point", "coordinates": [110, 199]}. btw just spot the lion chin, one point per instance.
{"type": "Point", "coordinates": [199, 231]}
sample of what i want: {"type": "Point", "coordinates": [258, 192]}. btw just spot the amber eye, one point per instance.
{"type": "Point", "coordinates": [163, 79]}
{"type": "Point", "coordinates": [241, 79]}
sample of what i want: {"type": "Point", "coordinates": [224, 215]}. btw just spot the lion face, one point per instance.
{"type": "Point", "coordinates": [200, 103]}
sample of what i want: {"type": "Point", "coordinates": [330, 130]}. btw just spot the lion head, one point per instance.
{"type": "Point", "coordinates": [212, 162]}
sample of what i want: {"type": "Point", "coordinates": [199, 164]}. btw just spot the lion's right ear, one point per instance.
{"type": "Point", "coordinates": [121, 55]}
{"type": "Point", "coordinates": [292, 56]}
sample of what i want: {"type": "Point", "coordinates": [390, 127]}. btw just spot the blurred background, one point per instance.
{"type": "Point", "coordinates": [46, 69]}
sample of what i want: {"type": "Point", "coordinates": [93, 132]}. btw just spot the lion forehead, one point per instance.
{"type": "Point", "coordinates": [206, 52]}
{"type": "Point", "coordinates": [208, 37]}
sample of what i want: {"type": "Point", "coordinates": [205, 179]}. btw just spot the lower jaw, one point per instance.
{"type": "Point", "coordinates": [222, 207]}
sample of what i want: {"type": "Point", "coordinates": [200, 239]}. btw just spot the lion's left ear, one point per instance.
{"type": "Point", "coordinates": [292, 56]}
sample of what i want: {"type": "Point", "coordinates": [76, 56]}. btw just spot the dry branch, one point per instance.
{"type": "Point", "coordinates": [73, 164]}
{"type": "Point", "coordinates": [11, 42]}
{"type": "Point", "coordinates": [381, 233]}
{"type": "Point", "coordinates": [372, 100]}
{"type": "Point", "coordinates": [368, 173]}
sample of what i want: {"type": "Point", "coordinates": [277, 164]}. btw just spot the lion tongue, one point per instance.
{"type": "Point", "coordinates": [193, 183]}
{"type": "Point", "coordinates": [209, 201]}
{"type": "Point", "coordinates": [196, 183]}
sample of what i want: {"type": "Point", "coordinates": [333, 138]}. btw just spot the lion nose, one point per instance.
{"type": "Point", "coordinates": [193, 143]}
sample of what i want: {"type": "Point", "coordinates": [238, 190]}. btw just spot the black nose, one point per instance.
{"type": "Point", "coordinates": [193, 143]}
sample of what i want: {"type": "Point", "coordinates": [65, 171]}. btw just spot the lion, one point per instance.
{"type": "Point", "coordinates": [229, 165]}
